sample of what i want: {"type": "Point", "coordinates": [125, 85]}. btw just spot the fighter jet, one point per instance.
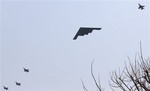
{"type": "Point", "coordinates": [26, 70]}
{"type": "Point", "coordinates": [18, 84]}
{"type": "Point", "coordinates": [141, 7]}
{"type": "Point", "coordinates": [84, 31]}
{"type": "Point", "coordinates": [6, 88]}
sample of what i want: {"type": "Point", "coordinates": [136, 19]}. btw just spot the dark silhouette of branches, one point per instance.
{"type": "Point", "coordinates": [97, 83]}
{"type": "Point", "coordinates": [84, 88]}
{"type": "Point", "coordinates": [134, 77]}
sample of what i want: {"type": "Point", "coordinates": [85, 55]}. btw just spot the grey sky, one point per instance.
{"type": "Point", "coordinates": [39, 35]}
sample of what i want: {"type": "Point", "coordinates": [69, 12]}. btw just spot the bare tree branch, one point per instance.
{"type": "Point", "coordinates": [135, 77]}
{"type": "Point", "coordinates": [99, 87]}
{"type": "Point", "coordinates": [84, 88]}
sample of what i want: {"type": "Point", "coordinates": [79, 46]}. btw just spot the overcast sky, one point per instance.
{"type": "Point", "coordinates": [39, 35]}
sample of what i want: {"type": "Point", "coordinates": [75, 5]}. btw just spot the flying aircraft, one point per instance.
{"type": "Point", "coordinates": [18, 84]}
{"type": "Point", "coordinates": [6, 88]}
{"type": "Point", "coordinates": [141, 7]}
{"type": "Point", "coordinates": [84, 31]}
{"type": "Point", "coordinates": [26, 70]}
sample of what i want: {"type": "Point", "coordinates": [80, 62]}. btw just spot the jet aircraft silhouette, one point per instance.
{"type": "Point", "coordinates": [6, 88]}
{"type": "Point", "coordinates": [26, 70]}
{"type": "Point", "coordinates": [84, 31]}
{"type": "Point", "coordinates": [18, 84]}
{"type": "Point", "coordinates": [141, 7]}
